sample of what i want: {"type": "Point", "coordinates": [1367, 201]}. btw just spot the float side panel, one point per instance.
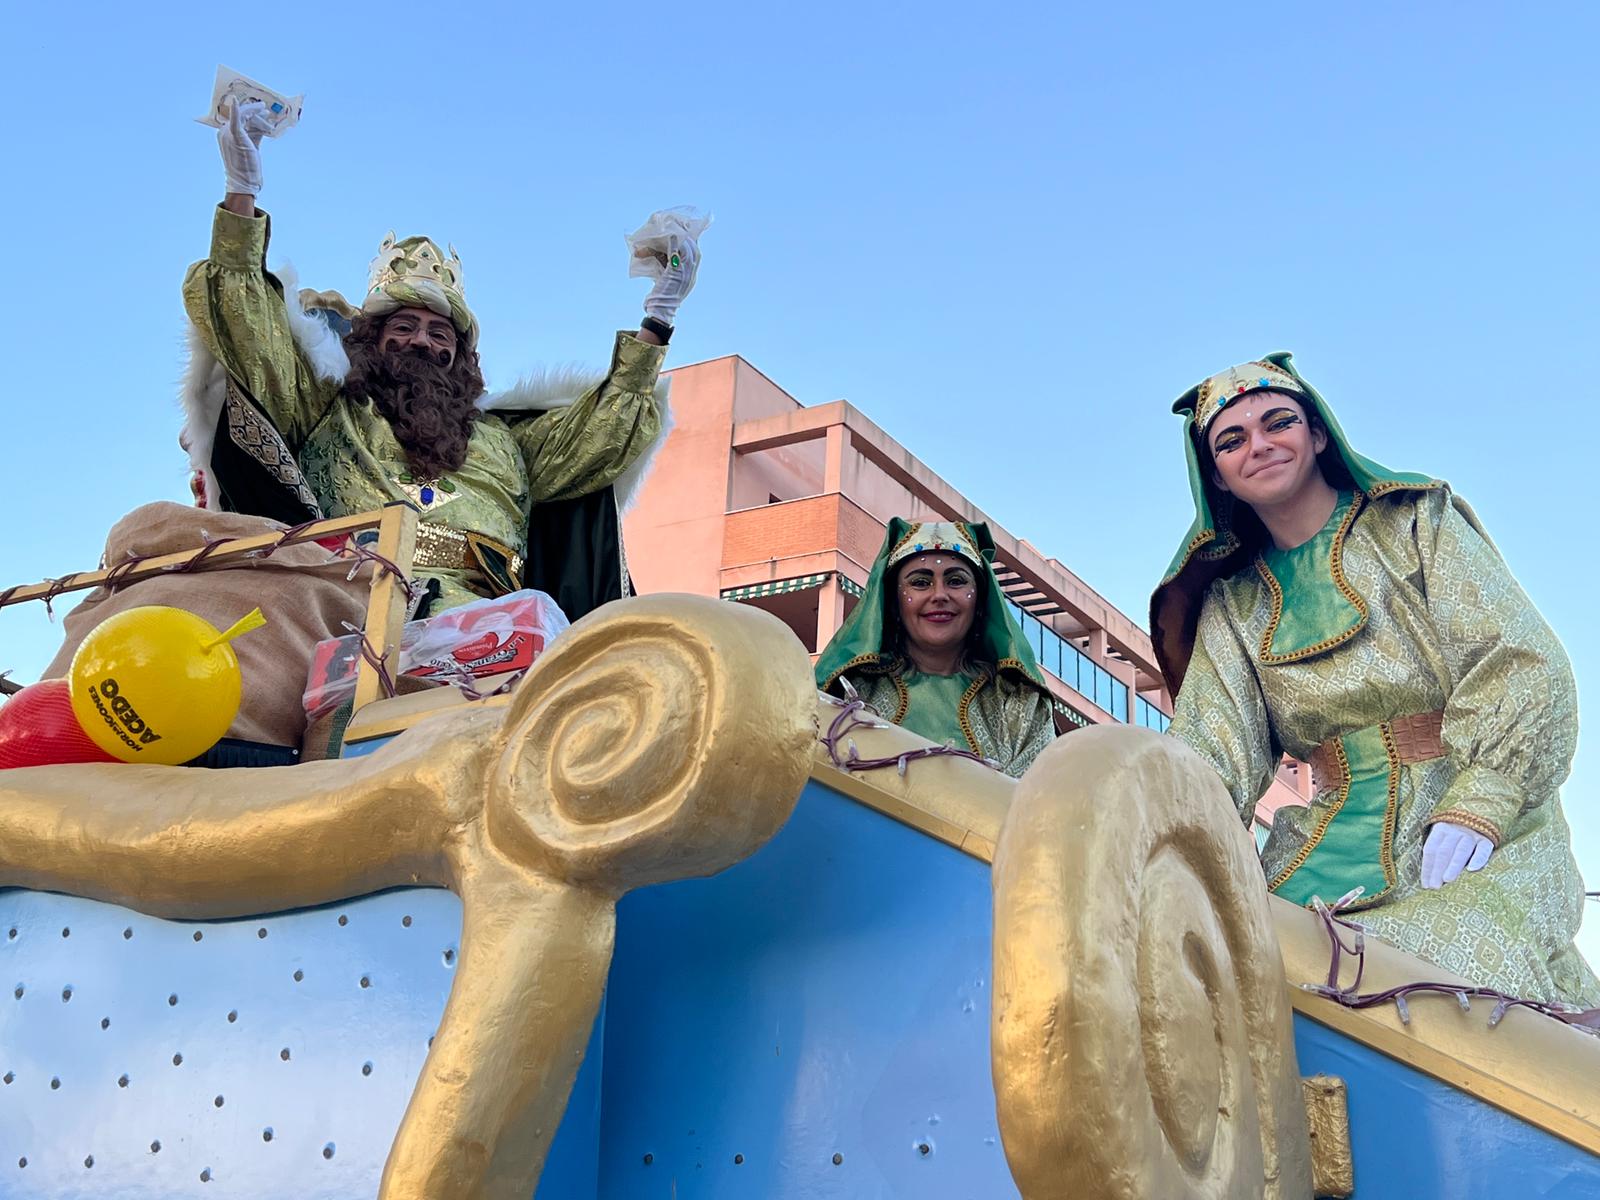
{"type": "Point", "coordinates": [274, 1054]}
{"type": "Point", "coordinates": [1414, 1137]}
{"type": "Point", "coordinates": [829, 996]}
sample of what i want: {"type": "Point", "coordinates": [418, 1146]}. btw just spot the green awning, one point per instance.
{"type": "Point", "coordinates": [775, 587]}
{"type": "Point", "coordinates": [850, 587]}
{"type": "Point", "coordinates": [1070, 713]}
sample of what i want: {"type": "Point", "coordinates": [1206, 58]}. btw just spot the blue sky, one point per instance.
{"type": "Point", "coordinates": [1009, 235]}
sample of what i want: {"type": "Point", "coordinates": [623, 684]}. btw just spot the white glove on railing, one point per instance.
{"type": "Point", "coordinates": [240, 142]}
{"type": "Point", "coordinates": [1450, 849]}
{"type": "Point", "coordinates": [676, 280]}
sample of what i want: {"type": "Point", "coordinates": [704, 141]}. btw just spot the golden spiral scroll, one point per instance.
{"type": "Point", "coordinates": [660, 738]}
{"type": "Point", "coordinates": [1141, 1028]}
{"type": "Point", "coordinates": [630, 762]}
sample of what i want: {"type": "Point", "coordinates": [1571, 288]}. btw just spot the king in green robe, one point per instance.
{"type": "Point", "coordinates": [1398, 624]}
{"type": "Point", "coordinates": [279, 432]}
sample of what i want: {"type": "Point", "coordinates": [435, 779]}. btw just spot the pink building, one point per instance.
{"type": "Point", "coordinates": [760, 500]}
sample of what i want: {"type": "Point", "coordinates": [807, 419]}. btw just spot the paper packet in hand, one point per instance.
{"type": "Point", "coordinates": [232, 88]}
{"type": "Point", "coordinates": [652, 244]}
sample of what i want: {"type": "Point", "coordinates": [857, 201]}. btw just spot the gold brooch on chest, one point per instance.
{"type": "Point", "coordinates": [428, 493]}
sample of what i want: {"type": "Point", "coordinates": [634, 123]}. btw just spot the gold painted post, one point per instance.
{"type": "Point", "coordinates": [386, 607]}
{"type": "Point", "coordinates": [1141, 1032]}
{"type": "Point", "coordinates": [1333, 1167]}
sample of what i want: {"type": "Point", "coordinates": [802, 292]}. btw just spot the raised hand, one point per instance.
{"type": "Point", "coordinates": [676, 280]}
{"type": "Point", "coordinates": [240, 143]}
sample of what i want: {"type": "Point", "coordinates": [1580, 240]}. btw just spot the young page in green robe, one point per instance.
{"type": "Point", "coordinates": [1400, 606]}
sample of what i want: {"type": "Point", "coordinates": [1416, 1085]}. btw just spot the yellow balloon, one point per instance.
{"type": "Point", "coordinates": [157, 684]}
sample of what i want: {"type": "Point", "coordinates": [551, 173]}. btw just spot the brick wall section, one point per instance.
{"type": "Point", "coordinates": [780, 531]}
{"type": "Point", "coordinates": [801, 527]}
{"type": "Point", "coordinates": [860, 535]}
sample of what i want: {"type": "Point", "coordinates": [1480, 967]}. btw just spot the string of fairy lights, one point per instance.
{"type": "Point", "coordinates": [1349, 995]}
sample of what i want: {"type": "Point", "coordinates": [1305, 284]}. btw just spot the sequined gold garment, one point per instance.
{"type": "Point", "coordinates": [346, 450]}
{"type": "Point", "coordinates": [1008, 722]}
{"type": "Point", "coordinates": [1446, 627]}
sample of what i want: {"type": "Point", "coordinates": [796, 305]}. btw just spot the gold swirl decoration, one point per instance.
{"type": "Point", "coordinates": [630, 765]}
{"type": "Point", "coordinates": [1141, 1029]}
{"type": "Point", "coordinates": [660, 738]}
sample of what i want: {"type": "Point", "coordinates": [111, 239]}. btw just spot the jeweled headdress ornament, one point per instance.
{"type": "Point", "coordinates": [415, 273]}
{"type": "Point", "coordinates": [1213, 395]}
{"type": "Point", "coordinates": [927, 536]}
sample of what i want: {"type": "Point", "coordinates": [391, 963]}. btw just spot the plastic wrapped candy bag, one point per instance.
{"type": "Point", "coordinates": [652, 245]}
{"type": "Point", "coordinates": [477, 640]}
{"type": "Point", "coordinates": [232, 88]}
{"type": "Point", "coordinates": [486, 637]}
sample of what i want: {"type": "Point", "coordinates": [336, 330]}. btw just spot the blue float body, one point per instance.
{"type": "Point", "coordinates": [828, 998]}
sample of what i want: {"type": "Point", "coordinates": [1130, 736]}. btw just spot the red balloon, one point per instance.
{"type": "Point", "coordinates": [37, 729]}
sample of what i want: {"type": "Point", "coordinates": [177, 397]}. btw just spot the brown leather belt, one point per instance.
{"type": "Point", "coordinates": [1416, 739]}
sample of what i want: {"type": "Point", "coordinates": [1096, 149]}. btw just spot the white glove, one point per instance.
{"type": "Point", "coordinates": [1448, 850]}
{"type": "Point", "coordinates": [676, 280]}
{"type": "Point", "coordinates": [240, 142]}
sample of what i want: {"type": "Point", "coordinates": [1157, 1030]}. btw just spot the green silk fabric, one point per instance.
{"type": "Point", "coordinates": [934, 711]}
{"type": "Point", "coordinates": [1349, 853]}
{"type": "Point", "coordinates": [1315, 609]}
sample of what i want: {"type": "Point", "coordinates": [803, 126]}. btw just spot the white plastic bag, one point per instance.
{"type": "Point", "coordinates": [652, 245]}
{"type": "Point", "coordinates": [478, 640]}
{"type": "Point", "coordinates": [486, 637]}
{"type": "Point", "coordinates": [232, 88]}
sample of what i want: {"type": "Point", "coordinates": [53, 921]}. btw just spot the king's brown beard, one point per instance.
{"type": "Point", "coordinates": [430, 406]}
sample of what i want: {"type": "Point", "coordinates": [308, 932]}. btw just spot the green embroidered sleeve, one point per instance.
{"type": "Point", "coordinates": [239, 311]}
{"type": "Point", "coordinates": [574, 451]}
{"type": "Point", "coordinates": [1221, 713]}
{"type": "Point", "coordinates": [1035, 729]}
{"type": "Point", "coordinates": [1511, 722]}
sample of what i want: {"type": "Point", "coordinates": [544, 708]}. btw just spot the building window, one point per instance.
{"type": "Point", "coordinates": [1150, 716]}
{"type": "Point", "coordinates": [1072, 666]}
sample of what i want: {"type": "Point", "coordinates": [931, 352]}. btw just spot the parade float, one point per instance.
{"type": "Point", "coordinates": [662, 921]}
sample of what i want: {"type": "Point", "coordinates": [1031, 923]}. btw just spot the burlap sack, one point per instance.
{"type": "Point", "coordinates": [302, 591]}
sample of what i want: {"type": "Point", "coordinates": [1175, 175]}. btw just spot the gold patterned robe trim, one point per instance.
{"type": "Point", "coordinates": [439, 546]}
{"type": "Point", "coordinates": [1448, 628]}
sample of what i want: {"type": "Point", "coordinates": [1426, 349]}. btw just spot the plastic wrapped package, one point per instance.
{"type": "Point", "coordinates": [653, 244]}
{"type": "Point", "coordinates": [476, 641]}
{"type": "Point", "coordinates": [231, 88]}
